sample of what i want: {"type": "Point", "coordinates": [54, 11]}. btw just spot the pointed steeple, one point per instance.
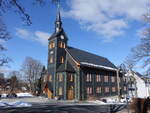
{"type": "Point", "coordinates": [58, 22]}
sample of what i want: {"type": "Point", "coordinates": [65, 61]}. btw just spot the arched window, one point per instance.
{"type": "Point", "coordinates": [62, 59]}
{"type": "Point", "coordinates": [106, 78]}
{"type": "Point", "coordinates": [71, 77]}
{"type": "Point", "coordinates": [52, 44]}
{"type": "Point", "coordinates": [98, 78]}
{"type": "Point", "coordinates": [60, 77]}
{"type": "Point", "coordinates": [112, 79]}
{"type": "Point", "coordinates": [60, 91]}
{"type": "Point", "coordinates": [61, 44]}
{"type": "Point", "coordinates": [98, 90]}
{"type": "Point", "coordinates": [106, 89]}
{"type": "Point", "coordinates": [89, 77]}
{"type": "Point", "coordinates": [51, 59]}
{"type": "Point", "coordinates": [50, 78]}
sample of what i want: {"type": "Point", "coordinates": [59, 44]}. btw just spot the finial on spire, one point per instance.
{"type": "Point", "coordinates": [58, 5]}
{"type": "Point", "coordinates": [58, 18]}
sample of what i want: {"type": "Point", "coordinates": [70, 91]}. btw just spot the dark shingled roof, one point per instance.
{"type": "Point", "coordinates": [83, 56]}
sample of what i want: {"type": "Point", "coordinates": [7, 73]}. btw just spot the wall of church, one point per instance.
{"type": "Point", "coordinates": [76, 76]}
{"type": "Point", "coordinates": [98, 83]}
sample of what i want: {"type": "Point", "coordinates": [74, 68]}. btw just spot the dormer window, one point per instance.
{"type": "Point", "coordinates": [52, 44]}
{"type": "Point", "coordinates": [62, 59]}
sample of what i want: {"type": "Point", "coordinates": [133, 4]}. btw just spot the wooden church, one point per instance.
{"type": "Point", "coordinates": [74, 74]}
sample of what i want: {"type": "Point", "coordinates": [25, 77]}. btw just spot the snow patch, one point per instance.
{"type": "Point", "coordinates": [24, 95]}
{"type": "Point", "coordinates": [14, 104]}
{"type": "Point", "coordinates": [97, 102]}
{"type": "Point", "coordinates": [3, 95]}
{"type": "Point", "coordinates": [99, 66]}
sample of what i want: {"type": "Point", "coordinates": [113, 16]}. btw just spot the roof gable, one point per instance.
{"type": "Point", "coordinates": [65, 68]}
{"type": "Point", "coordinates": [86, 58]}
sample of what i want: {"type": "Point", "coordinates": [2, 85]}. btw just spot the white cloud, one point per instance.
{"type": "Point", "coordinates": [42, 37]}
{"type": "Point", "coordinates": [22, 33]}
{"type": "Point", "coordinates": [106, 17]}
{"type": "Point", "coordinates": [39, 36]}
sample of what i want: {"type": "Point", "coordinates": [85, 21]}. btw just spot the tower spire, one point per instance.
{"type": "Point", "coordinates": [58, 23]}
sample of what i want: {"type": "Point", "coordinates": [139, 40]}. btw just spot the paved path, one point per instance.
{"type": "Point", "coordinates": [49, 108]}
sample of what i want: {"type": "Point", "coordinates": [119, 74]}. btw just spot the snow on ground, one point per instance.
{"type": "Point", "coordinates": [3, 95]}
{"type": "Point", "coordinates": [2, 104]}
{"type": "Point", "coordinates": [24, 95]}
{"type": "Point", "coordinates": [97, 102]}
{"type": "Point", "coordinates": [14, 104]}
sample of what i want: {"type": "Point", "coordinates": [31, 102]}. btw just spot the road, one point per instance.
{"type": "Point", "coordinates": [50, 108]}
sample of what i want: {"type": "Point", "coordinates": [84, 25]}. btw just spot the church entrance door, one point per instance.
{"type": "Point", "coordinates": [71, 93]}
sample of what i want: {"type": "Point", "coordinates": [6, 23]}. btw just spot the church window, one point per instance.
{"type": "Point", "coordinates": [51, 59]}
{"type": "Point", "coordinates": [61, 44]}
{"type": "Point", "coordinates": [60, 91]}
{"type": "Point", "coordinates": [71, 77]}
{"type": "Point", "coordinates": [105, 78]}
{"type": "Point", "coordinates": [52, 44]}
{"type": "Point", "coordinates": [50, 78]}
{"type": "Point", "coordinates": [88, 77]}
{"type": "Point", "coordinates": [62, 59]}
{"type": "Point", "coordinates": [113, 89]}
{"type": "Point", "coordinates": [106, 89]}
{"type": "Point", "coordinates": [60, 77]}
{"type": "Point", "coordinates": [112, 79]}
{"type": "Point", "coordinates": [64, 45]}
{"type": "Point", "coordinates": [98, 90]}
{"type": "Point", "coordinates": [98, 78]}
{"type": "Point", "coordinates": [89, 90]}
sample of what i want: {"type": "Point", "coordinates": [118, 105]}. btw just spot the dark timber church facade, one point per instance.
{"type": "Point", "coordinates": [74, 74]}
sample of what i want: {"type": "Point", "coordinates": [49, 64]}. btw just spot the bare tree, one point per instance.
{"type": "Point", "coordinates": [32, 69]}
{"type": "Point", "coordinates": [141, 53]}
{"type": "Point", "coordinates": [14, 80]}
{"type": "Point", "coordinates": [129, 62]}
{"type": "Point", "coordinates": [18, 8]}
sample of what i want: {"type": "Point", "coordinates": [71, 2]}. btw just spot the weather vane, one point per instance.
{"type": "Point", "coordinates": [58, 5]}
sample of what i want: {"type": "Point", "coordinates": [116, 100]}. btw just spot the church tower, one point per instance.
{"type": "Point", "coordinates": [56, 52]}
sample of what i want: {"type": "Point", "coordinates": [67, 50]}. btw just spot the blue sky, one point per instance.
{"type": "Point", "coordinates": [102, 27]}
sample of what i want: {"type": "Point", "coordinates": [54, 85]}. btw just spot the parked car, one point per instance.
{"type": "Point", "coordinates": [12, 95]}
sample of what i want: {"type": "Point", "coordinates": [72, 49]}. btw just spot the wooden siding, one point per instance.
{"type": "Point", "coordinates": [95, 84]}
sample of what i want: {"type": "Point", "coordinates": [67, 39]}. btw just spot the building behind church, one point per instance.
{"type": "Point", "coordinates": [74, 74]}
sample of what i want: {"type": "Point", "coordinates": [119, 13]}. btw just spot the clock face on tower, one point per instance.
{"type": "Point", "coordinates": [51, 52]}
{"type": "Point", "coordinates": [62, 36]}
